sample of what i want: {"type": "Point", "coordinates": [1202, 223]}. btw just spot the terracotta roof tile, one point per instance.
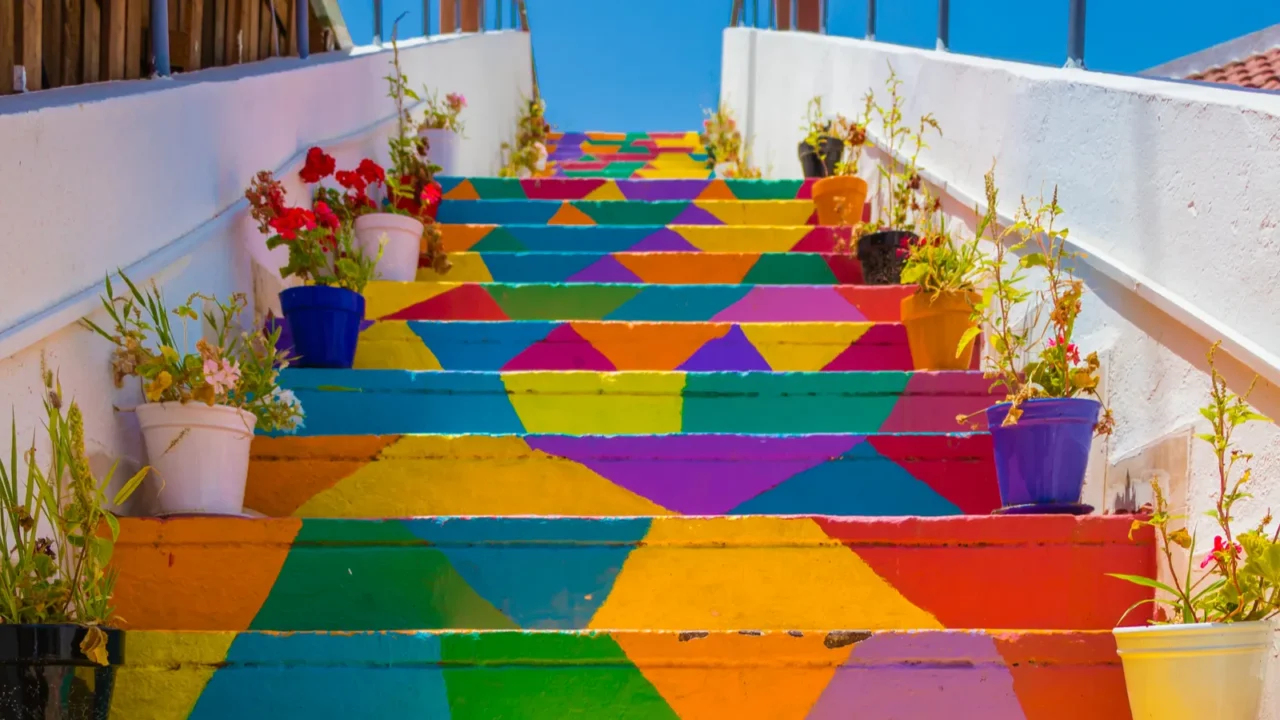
{"type": "Point", "coordinates": [1260, 71]}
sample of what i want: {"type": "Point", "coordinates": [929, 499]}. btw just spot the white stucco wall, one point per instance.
{"type": "Point", "coordinates": [99, 177]}
{"type": "Point", "coordinates": [1176, 181]}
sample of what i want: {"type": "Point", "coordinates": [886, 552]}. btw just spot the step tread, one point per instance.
{"type": "Point", "coordinates": [639, 238]}
{"type": "Point", "coordinates": [562, 188]}
{"type": "Point", "coordinates": [612, 212]}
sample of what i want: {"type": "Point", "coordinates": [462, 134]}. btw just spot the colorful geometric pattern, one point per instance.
{"type": "Point", "coordinates": [652, 573]}
{"type": "Point", "coordinates": [625, 155]}
{"type": "Point", "coordinates": [601, 188]}
{"type": "Point", "coordinates": [611, 212]}
{"type": "Point", "coordinates": [658, 268]}
{"type": "Point", "coordinates": [639, 238]}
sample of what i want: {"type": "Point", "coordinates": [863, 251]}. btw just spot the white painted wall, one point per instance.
{"type": "Point", "coordinates": [98, 177]}
{"type": "Point", "coordinates": [1177, 181]}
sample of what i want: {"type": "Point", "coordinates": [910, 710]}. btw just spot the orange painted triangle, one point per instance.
{"type": "Point", "coordinates": [649, 346]}
{"type": "Point", "coordinates": [568, 214]}
{"type": "Point", "coordinates": [461, 238]}
{"type": "Point", "coordinates": [289, 471]}
{"type": "Point", "coordinates": [463, 191]}
{"type": "Point", "coordinates": [716, 190]}
{"type": "Point", "coordinates": [689, 268]}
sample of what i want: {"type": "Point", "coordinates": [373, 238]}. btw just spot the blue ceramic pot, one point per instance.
{"type": "Point", "coordinates": [1041, 460]}
{"type": "Point", "coordinates": [324, 324]}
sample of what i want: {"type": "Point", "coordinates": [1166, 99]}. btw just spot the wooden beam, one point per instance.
{"type": "Point", "coordinates": [133, 39]}
{"type": "Point", "coordinates": [231, 34]}
{"type": "Point", "coordinates": [31, 42]}
{"type": "Point", "coordinates": [71, 28]}
{"type": "Point", "coordinates": [52, 32]}
{"type": "Point", "coordinates": [448, 20]}
{"type": "Point", "coordinates": [8, 37]}
{"type": "Point", "coordinates": [249, 10]}
{"type": "Point", "coordinates": [219, 32]}
{"type": "Point", "coordinates": [91, 52]}
{"type": "Point", "coordinates": [195, 35]}
{"type": "Point", "coordinates": [266, 21]}
{"type": "Point", "coordinates": [113, 39]}
{"type": "Point", "coordinates": [809, 16]}
{"type": "Point", "coordinates": [470, 15]}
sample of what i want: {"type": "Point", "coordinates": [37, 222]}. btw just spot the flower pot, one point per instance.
{"type": "Point", "coordinates": [200, 455]}
{"type": "Point", "coordinates": [399, 262]}
{"type": "Point", "coordinates": [43, 674]}
{"type": "Point", "coordinates": [820, 165]}
{"type": "Point", "coordinates": [840, 199]}
{"type": "Point", "coordinates": [723, 169]}
{"type": "Point", "coordinates": [1041, 459]}
{"type": "Point", "coordinates": [935, 325]}
{"type": "Point", "coordinates": [324, 324]}
{"type": "Point", "coordinates": [882, 255]}
{"type": "Point", "coordinates": [1194, 672]}
{"type": "Point", "coordinates": [442, 149]}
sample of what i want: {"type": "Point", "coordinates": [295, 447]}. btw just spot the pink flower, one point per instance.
{"type": "Point", "coordinates": [1220, 549]}
{"type": "Point", "coordinates": [221, 374]}
{"type": "Point", "coordinates": [1073, 352]}
{"type": "Point", "coordinates": [456, 101]}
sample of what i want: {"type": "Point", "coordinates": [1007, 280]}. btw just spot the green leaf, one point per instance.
{"type": "Point", "coordinates": [1145, 582]}
{"type": "Point", "coordinates": [966, 339]}
{"type": "Point", "coordinates": [1033, 260]}
{"type": "Point", "coordinates": [127, 489]}
{"type": "Point", "coordinates": [113, 524]}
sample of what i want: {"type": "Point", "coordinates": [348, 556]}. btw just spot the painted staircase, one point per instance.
{"type": "Point", "coordinates": [648, 451]}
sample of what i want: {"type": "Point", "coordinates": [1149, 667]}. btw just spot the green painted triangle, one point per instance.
{"type": "Point", "coordinates": [764, 189]}
{"type": "Point", "coordinates": [612, 212]}
{"type": "Point", "coordinates": [370, 575]}
{"type": "Point", "coordinates": [587, 158]}
{"type": "Point", "coordinates": [621, 169]}
{"type": "Point", "coordinates": [498, 188]}
{"type": "Point", "coordinates": [790, 269]}
{"type": "Point", "coordinates": [546, 676]}
{"type": "Point", "coordinates": [561, 302]}
{"type": "Point", "coordinates": [790, 403]}
{"type": "Point", "coordinates": [499, 240]}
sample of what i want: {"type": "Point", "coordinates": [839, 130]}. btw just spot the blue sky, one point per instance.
{"type": "Point", "coordinates": [653, 64]}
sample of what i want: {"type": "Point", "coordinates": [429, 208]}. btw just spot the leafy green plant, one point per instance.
{"type": "Point", "coordinates": [901, 171]}
{"type": "Point", "coordinates": [1241, 581]}
{"type": "Point", "coordinates": [528, 153]}
{"type": "Point", "coordinates": [443, 114]}
{"type": "Point", "coordinates": [723, 141]}
{"type": "Point", "coordinates": [939, 263]}
{"type": "Point", "coordinates": [54, 553]}
{"type": "Point", "coordinates": [853, 133]}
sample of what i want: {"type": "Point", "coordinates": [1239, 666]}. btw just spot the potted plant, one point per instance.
{"type": "Point", "coordinates": [58, 653]}
{"type": "Point", "coordinates": [821, 149]}
{"type": "Point", "coordinates": [201, 408]}
{"type": "Point", "coordinates": [841, 197]}
{"type": "Point", "coordinates": [723, 142]}
{"type": "Point", "coordinates": [1043, 431]}
{"type": "Point", "coordinates": [526, 157]}
{"type": "Point", "coordinates": [938, 314]}
{"type": "Point", "coordinates": [1205, 652]}
{"type": "Point", "coordinates": [441, 128]}
{"type": "Point", "coordinates": [324, 313]}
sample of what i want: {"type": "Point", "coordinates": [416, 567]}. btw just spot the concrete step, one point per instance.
{"type": "Point", "coordinates": [657, 268]}
{"type": "Point", "coordinates": [606, 346]}
{"type": "Point", "coordinates": [488, 188]}
{"type": "Point", "coordinates": [612, 212]}
{"type": "Point", "coordinates": [634, 302]}
{"type": "Point", "coordinates": [640, 573]}
{"type": "Point", "coordinates": [623, 675]}
{"type": "Point", "coordinates": [638, 238]}
{"type": "Point", "coordinates": [375, 476]}
{"type": "Point", "coordinates": [386, 402]}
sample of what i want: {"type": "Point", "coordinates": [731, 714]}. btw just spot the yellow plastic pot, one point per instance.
{"type": "Point", "coordinates": [837, 196]}
{"type": "Point", "coordinates": [1207, 671]}
{"type": "Point", "coordinates": [935, 326]}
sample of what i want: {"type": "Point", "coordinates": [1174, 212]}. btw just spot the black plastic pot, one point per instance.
{"type": "Point", "coordinates": [44, 676]}
{"type": "Point", "coordinates": [878, 254]}
{"type": "Point", "coordinates": [816, 166]}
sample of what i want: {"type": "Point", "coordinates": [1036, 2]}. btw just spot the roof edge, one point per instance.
{"type": "Point", "coordinates": [1217, 56]}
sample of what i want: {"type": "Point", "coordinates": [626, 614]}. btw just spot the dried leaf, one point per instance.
{"type": "Point", "coordinates": [94, 645]}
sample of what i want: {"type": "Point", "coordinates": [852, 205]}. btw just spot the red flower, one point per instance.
{"type": "Point", "coordinates": [325, 215]}
{"type": "Point", "coordinates": [319, 166]}
{"type": "Point", "coordinates": [293, 220]}
{"type": "Point", "coordinates": [905, 242]}
{"type": "Point", "coordinates": [901, 252]}
{"type": "Point", "coordinates": [432, 193]}
{"type": "Point", "coordinates": [351, 180]}
{"type": "Point", "coordinates": [371, 171]}
{"type": "Point", "coordinates": [1220, 548]}
{"type": "Point", "coordinates": [1072, 352]}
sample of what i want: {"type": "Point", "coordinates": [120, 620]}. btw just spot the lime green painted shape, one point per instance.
{"type": "Point", "coordinates": [764, 189]}
{"type": "Point", "coordinates": [790, 403]}
{"type": "Point", "coordinates": [561, 301]}
{"type": "Point", "coordinates": [606, 212]}
{"type": "Point", "coordinates": [498, 188]}
{"type": "Point", "coordinates": [545, 676]}
{"type": "Point", "coordinates": [362, 575]}
{"type": "Point", "coordinates": [613, 170]}
{"type": "Point", "coordinates": [790, 269]}
{"type": "Point", "coordinates": [587, 158]}
{"type": "Point", "coordinates": [499, 239]}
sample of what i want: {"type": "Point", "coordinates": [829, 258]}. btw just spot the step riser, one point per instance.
{"type": "Point", "coordinates": [612, 212]}
{"type": "Point", "coordinates": [412, 476]}
{"type": "Point", "coordinates": [540, 676]}
{"type": "Point", "coordinates": [633, 573]}
{"type": "Point", "coordinates": [634, 303]}
{"type": "Point", "coordinates": [457, 188]}
{"type": "Point", "coordinates": [382, 402]}
{"type": "Point", "coordinates": [638, 238]}
{"type": "Point", "coordinates": [668, 268]}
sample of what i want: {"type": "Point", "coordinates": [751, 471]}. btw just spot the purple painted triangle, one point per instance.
{"type": "Point", "coordinates": [697, 474]}
{"type": "Point", "coordinates": [605, 270]}
{"type": "Point", "coordinates": [731, 353]}
{"type": "Point", "coordinates": [694, 215]}
{"type": "Point", "coordinates": [664, 240]}
{"type": "Point", "coordinates": [562, 349]}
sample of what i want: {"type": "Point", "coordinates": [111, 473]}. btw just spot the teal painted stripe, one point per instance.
{"type": "Point", "coordinates": [543, 267]}
{"type": "Point", "coordinates": [665, 189]}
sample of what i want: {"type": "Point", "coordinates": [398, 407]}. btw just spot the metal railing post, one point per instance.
{"type": "Point", "coordinates": [755, 13]}
{"type": "Point", "coordinates": [498, 13]}
{"type": "Point", "coordinates": [457, 16]}
{"type": "Point", "coordinates": [826, 15]}
{"type": "Point", "coordinates": [795, 14]}
{"type": "Point", "coordinates": [301, 20]}
{"type": "Point", "coordinates": [482, 9]}
{"type": "Point", "coordinates": [944, 24]}
{"type": "Point", "coordinates": [871, 19]}
{"type": "Point", "coordinates": [426, 18]}
{"type": "Point", "coordinates": [773, 14]}
{"type": "Point", "coordinates": [1075, 35]}
{"type": "Point", "coordinates": [734, 11]}
{"type": "Point", "coordinates": [159, 37]}
{"type": "Point", "coordinates": [377, 22]}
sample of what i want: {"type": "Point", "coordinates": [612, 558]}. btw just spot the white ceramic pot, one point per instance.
{"type": "Point", "coordinates": [199, 455]}
{"type": "Point", "coordinates": [1207, 671]}
{"type": "Point", "coordinates": [443, 151]}
{"type": "Point", "coordinates": [399, 261]}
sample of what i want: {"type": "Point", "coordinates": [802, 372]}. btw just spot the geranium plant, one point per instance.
{"type": "Point", "coordinates": [937, 262]}
{"type": "Point", "coordinates": [1032, 356]}
{"type": "Point", "coordinates": [528, 153]}
{"type": "Point", "coordinates": [1239, 579]}
{"type": "Point", "coordinates": [54, 557]}
{"type": "Point", "coordinates": [852, 133]}
{"type": "Point", "coordinates": [723, 141]}
{"type": "Point", "coordinates": [443, 114]}
{"type": "Point", "coordinates": [903, 205]}
{"type": "Point", "coordinates": [230, 367]}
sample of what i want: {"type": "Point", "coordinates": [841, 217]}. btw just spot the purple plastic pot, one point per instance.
{"type": "Point", "coordinates": [1041, 460]}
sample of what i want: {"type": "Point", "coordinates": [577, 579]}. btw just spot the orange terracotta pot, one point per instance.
{"type": "Point", "coordinates": [934, 328]}
{"type": "Point", "coordinates": [832, 195]}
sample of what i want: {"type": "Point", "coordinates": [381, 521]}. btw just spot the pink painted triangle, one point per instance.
{"type": "Point", "coordinates": [562, 349]}
{"type": "Point", "coordinates": [791, 303]}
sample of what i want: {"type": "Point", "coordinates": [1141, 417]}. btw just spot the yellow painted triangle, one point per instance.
{"type": "Point", "coordinates": [608, 191]}
{"type": "Point", "coordinates": [694, 173]}
{"type": "Point", "coordinates": [721, 238]}
{"type": "Point", "coordinates": [392, 345]}
{"type": "Point", "coordinates": [186, 661]}
{"type": "Point", "coordinates": [568, 214]}
{"type": "Point", "coordinates": [473, 475]}
{"type": "Point", "coordinates": [765, 212]}
{"type": "Point", "coordinates": [802, 347]}
{"type": "Point", "coordinates": [593, 403]}
{"type": "Point", "coordinates": [386, 298]}
{"type": "Point", "coordinates": [728, 573]}
{"type": "Point", "coordinates": [464, 267]}
{"type": "Point", "coordinates": [768, 676]}
{"type": "Point", "coordinates": [462, 191]}
{"type": "Point", "coordinates": [716, 190]}
{"type": "Point", "coordinates": [461, 238]}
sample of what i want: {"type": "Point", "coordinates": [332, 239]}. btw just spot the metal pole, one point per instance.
{"type": "Point", "coordinates": [457, 16]}
{"type": "Point", "coordinates": [944, 24]}
{"type": "Point", "coordinates": [160, 37]}
{"type": "Point", "coordinates": [755, 13]}
{"type": "Point", "coordinates": [795, 14]}
{"type": "Point", "coordinates": [426, 18]}
{"type": "Point", "coordinates": [773, 14]}
{"type": "Point", "coordinates": [300, 21]}
{"type": "Point", "coordinates": [1075, 35]}
{"type": "Point", "coordinates": [498, 12]}
{"type": "Point", "coordinates": [481, 10]}
{"type": "Point", "coordinates": [871, 19]}
{"type": "Point", "coordinates": [826, 16]}
{"type": "Point", "coordinates": [377, 22]}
